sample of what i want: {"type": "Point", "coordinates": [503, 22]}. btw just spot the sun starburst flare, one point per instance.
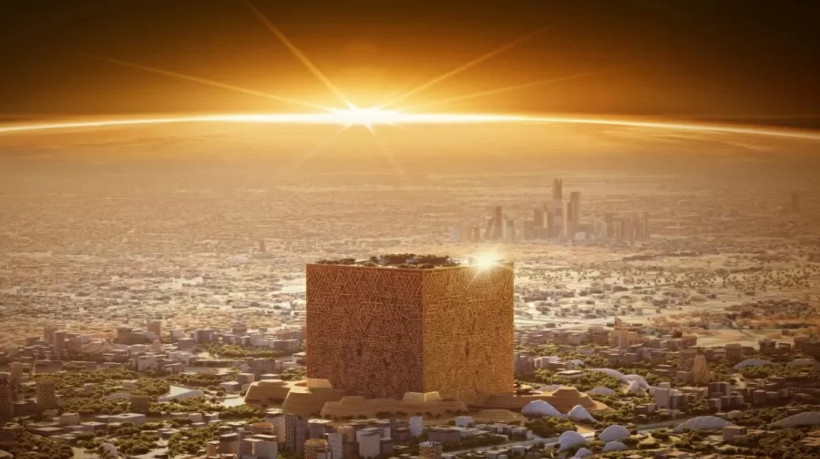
{"type": "Point", "coordinates": [367, 117]}
{"type": "Point", "coordinates": [203, 81]}
{"type": "Point", "coordinates": [350, 114]}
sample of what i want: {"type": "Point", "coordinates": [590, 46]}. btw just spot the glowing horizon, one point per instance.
{"type": "Point", "coordinates": [373, 116]}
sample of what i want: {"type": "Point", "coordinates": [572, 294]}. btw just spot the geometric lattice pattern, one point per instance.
{"type": "Point", "coordinates": [382, 332]}
{"type": "Point", "coordinates": [468, 331]}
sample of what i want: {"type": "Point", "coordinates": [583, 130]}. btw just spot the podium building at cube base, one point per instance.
{"type": "Point", "coordinates": [382, 329]}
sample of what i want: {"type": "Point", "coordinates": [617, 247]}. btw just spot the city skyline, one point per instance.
{"type": "Point", "coordinates": [557, 221]}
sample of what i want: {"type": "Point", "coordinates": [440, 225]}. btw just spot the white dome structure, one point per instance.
{"type": "Point", "coordinates": [614, 446]}
{"type": "Point", "coordinates": [108, 450]}
{"type": "Point", "coordinates": [570, 439]}
{"type": "Point", "coordinates": [583, 452]}
{"type": "Point", "coordinates": [806, 418]}
{"type": "Point", "coordinates": [576, 363]}
{"type": "Point", "coordinates": [702, 423]}
{"type": "Point", "coordinates": [600, 390]}
{"type": "Point", "coordinates": [751, 363]}
{"type": "Point", "coordinates": [633, 387]}
{"type": "Point", "coordinates": [638, 379]}
{"type": "Point", "coordinates": [579, 414]}
{"type": "Point", "coordinates": [539, 409]}
{"type": "Point", "coordinates": [613, 432]}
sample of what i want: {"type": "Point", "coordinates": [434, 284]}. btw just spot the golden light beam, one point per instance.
{"type": "Point", "coordinates": [387, 152]}
{"type": "Point", "coordinates": [297, 52]}
{"type": "Point", "coordinates": [334, 118]}
{"type": "Point", "coordinates": [490, 92]}
{"type": "Point", "coordinates": [313, 151]}
{"type": "Point", "coordinates": [199, 80]}
{"type": "Point", "coordinates": [464, 67]}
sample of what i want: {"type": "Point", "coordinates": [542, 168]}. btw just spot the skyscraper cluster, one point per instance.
{"type": "Point", "coordinates": [635, 227]}
{"type": "Point", "coordinates": [555, 219]}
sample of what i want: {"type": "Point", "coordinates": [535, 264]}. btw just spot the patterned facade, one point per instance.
{"type": "Point", "coordinates": [46, 397]}
{"type": "Point", "coordinates": [316, 448]}
{"type": "Point", "coordinates": [430, 450]}
{"type": "Point", "coordinates": [382, 332]}
{"type": "Point", "coordinates": [6, 406]}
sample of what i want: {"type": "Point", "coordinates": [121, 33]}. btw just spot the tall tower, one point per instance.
{"type": "Point", "coordinates": [645, 224]}
{"type": "Point", "coordinates": [609, 225]}
{"type": "Point", "coordinates": [538, 223]}
{"type": "Point", "coordinates": [555, 210]}
{"type": "Point", "coordinates": [15, 373]}
{"type": "Point", "coordinates": [569, 228]}
{"type": "Point", "coordinates": [575, 198]}
{"type": "Point", "coordinates": [795, 202]}
{"type": "Point", "coordinates": [59, 344]}
{"type": "Point", "coordinates": [498, 223]}
{"type": "Point", "coordinates": [509, 230]}
{"type": "Point", "coordinates": [6, 401]}
{"type": "Point", "coordinates": [385, 331]}
{"type": "Point", "coordinates": [46, 398]}
{"type": "Point", "coordinates": [124, 335]}
{"type": "Point", "coordinates": [296, 432]}
{"type": "Point", "coordinates": [48, 333]}
{"type": "Point", "coordinates": [155, 327]}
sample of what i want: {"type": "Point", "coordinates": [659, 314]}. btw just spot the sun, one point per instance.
{"type": "Point", "coordinates": [367, 117]}
{"type": "Point", "coordinates": [485, 261]}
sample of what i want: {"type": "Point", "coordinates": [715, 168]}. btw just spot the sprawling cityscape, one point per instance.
{"type": "Point", "coordinates": [440, 230]}
{"type": "Point", "coordinates": [538, 347]}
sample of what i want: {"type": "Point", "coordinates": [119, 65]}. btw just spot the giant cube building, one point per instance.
{"type": "Point", "coordinates": [382, 331]}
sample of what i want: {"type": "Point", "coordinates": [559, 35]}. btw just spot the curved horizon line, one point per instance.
{"type": "Point", "coordinates": [397, 118]}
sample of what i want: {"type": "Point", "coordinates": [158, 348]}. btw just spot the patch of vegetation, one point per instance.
{"type": "Point", "coordinates": [783, 444]}
{"type": "Point", "coordinates": [76, 379]}
{"type": "Point", "coordinates": [188, 405]}
{"type": "Point", "coordinates": [242, 412]}
{"type": "Point", "coordinates": [398, 260]}
{"type": "Point", "coordinates": [622, 408]}
{"type": "Point", "coordinates": [293, 374]}
{"type": "Point", "coordinates": [338, 261]}
{"type": "Point", "coordinates": [233, 351]}
{"type": "Point", "coordinates": [195, 379]}
{"type": "Point", "coordinates": [30, 446]}
{"type": "Point", "coordinates": [90, 406]}
{"type": "Point", "coordinates": [583, 383]}
{"type": "Point", "coordinates": [476, 442]}
{"type": "Point", "coordinates": [189, 441]}
{"type": "Point", "coordinates": [764, 416]}
{"type": "Point", "coordinates": [783, 371]}
{"type": "Point", "coordinates": [549, 426]}
{"type": "Point", "coordinates": [141, 443]}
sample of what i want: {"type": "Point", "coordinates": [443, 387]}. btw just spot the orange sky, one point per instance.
{"type": "Point", "coordinates": [715, 60]}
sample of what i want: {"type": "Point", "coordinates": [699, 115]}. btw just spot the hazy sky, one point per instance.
{"type": "Point", "coordinates": [720, 59]}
